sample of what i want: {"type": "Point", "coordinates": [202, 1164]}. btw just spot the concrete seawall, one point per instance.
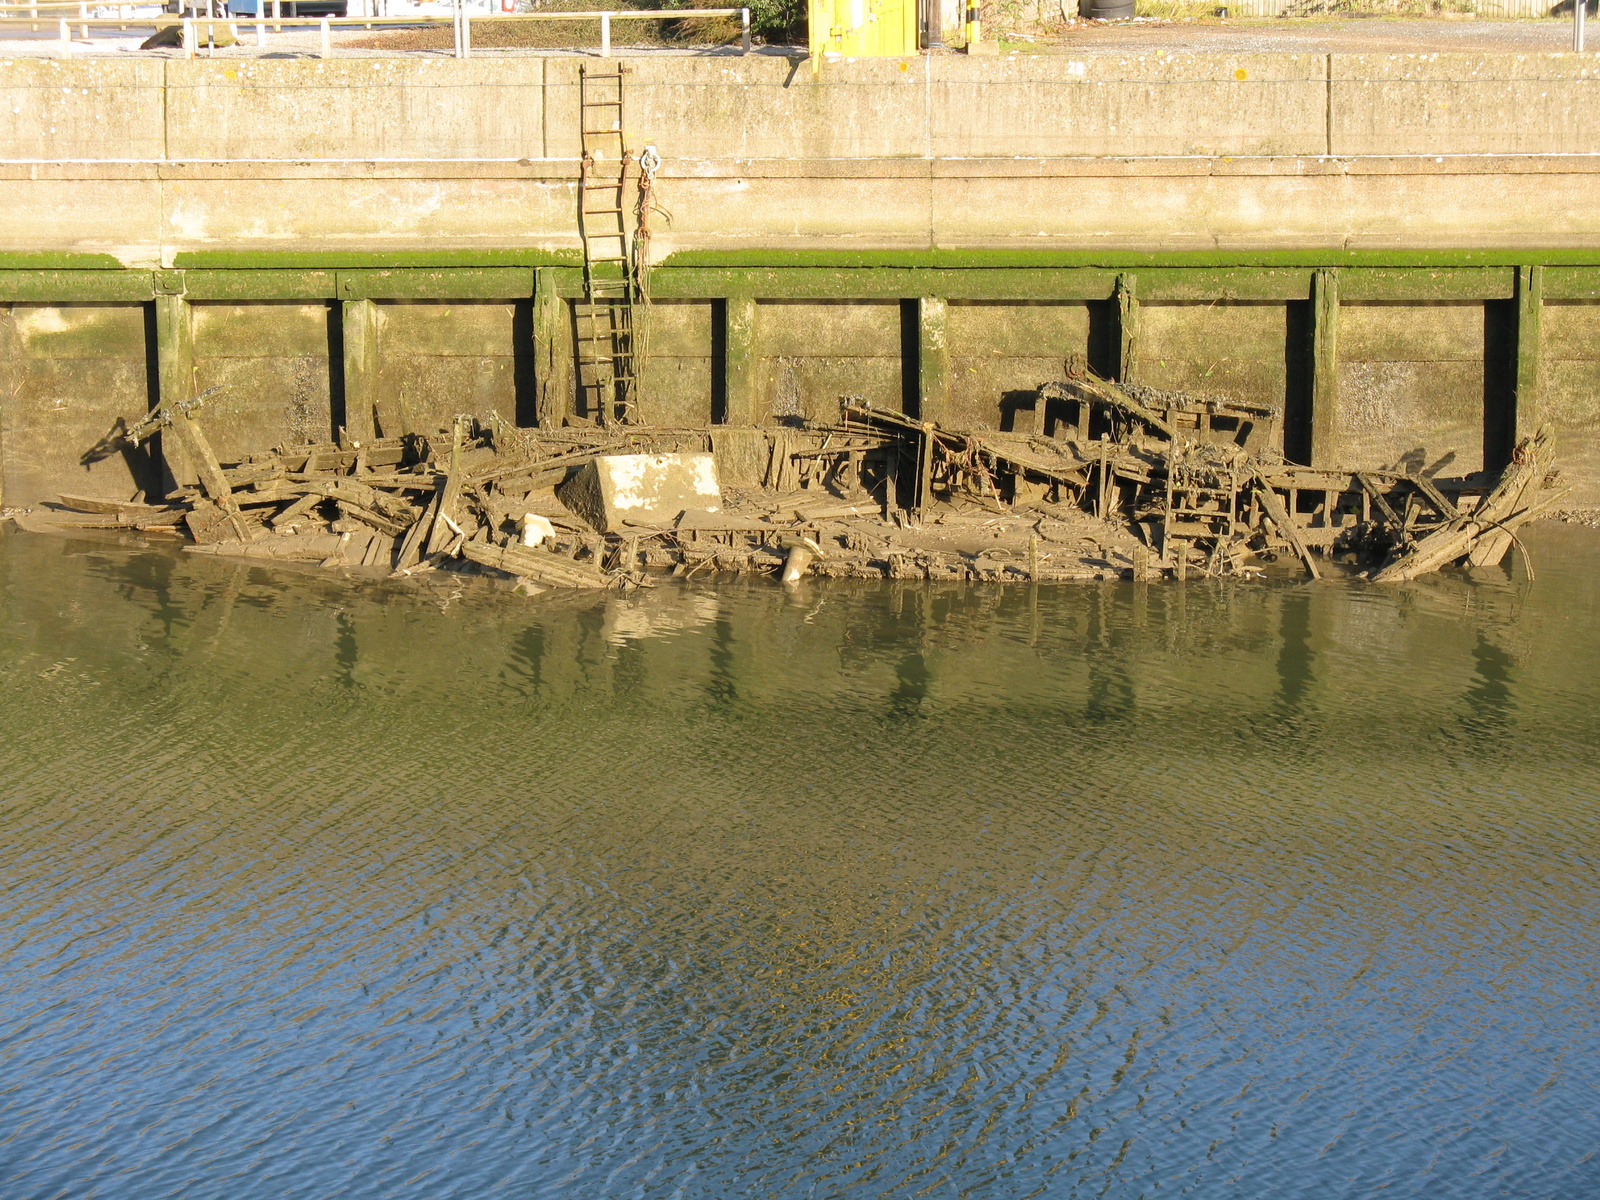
{"type": "Point", "coordinates": [146, 158]}
{"type": "Point", "coordinates": [1404, 251]}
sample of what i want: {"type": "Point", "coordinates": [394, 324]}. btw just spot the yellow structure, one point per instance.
{"type": "Point", "coordinates": [863, 28]}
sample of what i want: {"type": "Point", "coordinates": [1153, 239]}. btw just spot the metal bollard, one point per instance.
{"type": "Point", "coordinates": [83, 14]}
{"type": "Point", "coordinates": [261, 33]}
{"type": "Point", "coordinates": [1579, 11]}
{"type": "Point", "coordinates": [605, 35]}
{"type": "Point", "coordinates": [327, 43]}
{"type": "Point", "coordinates": [66, 40]}
{"type": "Point", "coordinates": [466, 34]}
{"type": "Point", "coordinates": [188, 37]}
{"type": "Point", "coordinates": [744, 36]}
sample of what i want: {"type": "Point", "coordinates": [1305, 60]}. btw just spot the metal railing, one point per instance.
{"type": "Point", "coordinates": [460, 20]}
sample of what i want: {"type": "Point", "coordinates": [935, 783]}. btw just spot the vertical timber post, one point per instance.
{"type": "Point", "coordinates": [1127, 326]}
{"type": "Point", "coordinates": [739, 361]}
{"type": "Point", "coordinates": [552, 351]}
{"type": "Point", "coordinates": [1324, 367]}
{"type": "Point", "coordinates": [933, 359]}
{"type": "Point", "coordinates": [175, 367]}
{"type": "Point", "coordinates": [1530, 350]}
{"type": "Point", "coordinates": [11, 376]}
{"type": "Point", "coordinates": [360, 319]}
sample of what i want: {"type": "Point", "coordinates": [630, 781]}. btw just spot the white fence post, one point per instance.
{"type": "Point", "coordinates": [605, 35]}
{"type": "Point", "coordinates": [1579, 11]}
{"type": "Point", "coordinates": [744, 21]}
{"type": "Point", "coordinates": [327, 39]}
{"type": "Point", "coordinates": [66, 39]}
{"type": "Point", "coordinates": [188, 37]}
{"type": "Point", "coordinates": [261, 31]}
{"type": "Point", "coordinates": [83, 14]}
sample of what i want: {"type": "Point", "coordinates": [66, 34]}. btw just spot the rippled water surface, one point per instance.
{"type": "Point", "coordinates": [1227, 890]}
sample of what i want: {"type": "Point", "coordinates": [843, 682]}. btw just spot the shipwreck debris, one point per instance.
{"type": "Point", "coordinates": [1484, 535]}
{"type": "Point", "coordinates": [1100, 480]}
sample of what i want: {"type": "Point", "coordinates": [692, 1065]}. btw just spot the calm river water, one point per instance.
{"type": "Point", "coordinates": [1224, 890]}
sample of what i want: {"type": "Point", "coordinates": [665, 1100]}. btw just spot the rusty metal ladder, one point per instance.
{"type": "Point", "coordinates": [607, 378]}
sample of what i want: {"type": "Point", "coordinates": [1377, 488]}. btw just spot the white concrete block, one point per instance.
{"type": "Point", "coordinates": [643, 489]}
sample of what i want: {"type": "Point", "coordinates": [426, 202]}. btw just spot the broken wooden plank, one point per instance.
{"type": "Point", "coordinates": [537, 565]}
{"type": "Point", "coordinates": [1434, 496]}
{"type": "Point", "coordinates": [1279, 516]}
{"type": "Point", "coordinates": [114, 508]}
{"type": "Point", "coordinates": [411, 548]}
{"type": "Point", "coordinates": [372, 519]}
{"type": "Point", "coordinates": [1494, 520]}
{"type": "Point", "coordinates": [209, 470]}
{"type": "Point", "coordinates": [445, 524]}
{"type": "Point", "coordinates": [1381, 503]}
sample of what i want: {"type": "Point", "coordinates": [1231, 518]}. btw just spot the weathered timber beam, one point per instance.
{"type": "Point", "coordinates": [1222, 283]}
{"type": "Point", "coordinates": [1324, 368]}
{"type": "Point", "coordinates": [260, 285]}
{"type": "Point", "coordinates": [1422, 284]}
{"type": "Point", "coordinates": [1127, 297]}
{"type": "Point", "coordinates": [741, 390]}
{"type": "Point", "coordinates": [365, 260]}
{"type": "Point", "coordinates": [424, 283]}
{"type": "Point", "coordinates": [1132, 260]}
{"type": "Point", "coordinates": [46, 287]}
{"type": "Point", "coordinates": [552, 351]}
{"type": "Point", "coordinates": [933, 359]}
{"type": "Point", "coordinates": [1530, 350]}
{"type": "Point", "coordinates": [1570, 283]}
{"type": "Point", "coordinates": [880, 284]}
{"type": "Point", "coordinates": [360, 320]}
{"type": "Point", "coordinates": [1242, 282]}
{"type": "Point", "coordinates": [175, 376]}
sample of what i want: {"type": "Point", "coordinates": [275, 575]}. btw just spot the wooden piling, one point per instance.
{"type": "Point", "coordinates": [175, 376]}
{"type": "Point", "coordinates": [740, 384]}
{"type": "Point", "coordinates": [1530, 350]}
{"type": "Point", "coordinates": [1128, 326]}
{"type": "Point", "coordinates": [359, 319]}
{"type": "Point", "coordinates": [552, 352]}
{"type": "Point", "coordinates": [1324, 367]}
{"type": "Point", "coordinates": [933, 359]}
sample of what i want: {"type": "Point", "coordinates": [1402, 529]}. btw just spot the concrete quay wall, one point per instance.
{"type": "Point", "coordinates": [1402, 251]}
{"type": "Point", "coordinates": [143, 159]}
